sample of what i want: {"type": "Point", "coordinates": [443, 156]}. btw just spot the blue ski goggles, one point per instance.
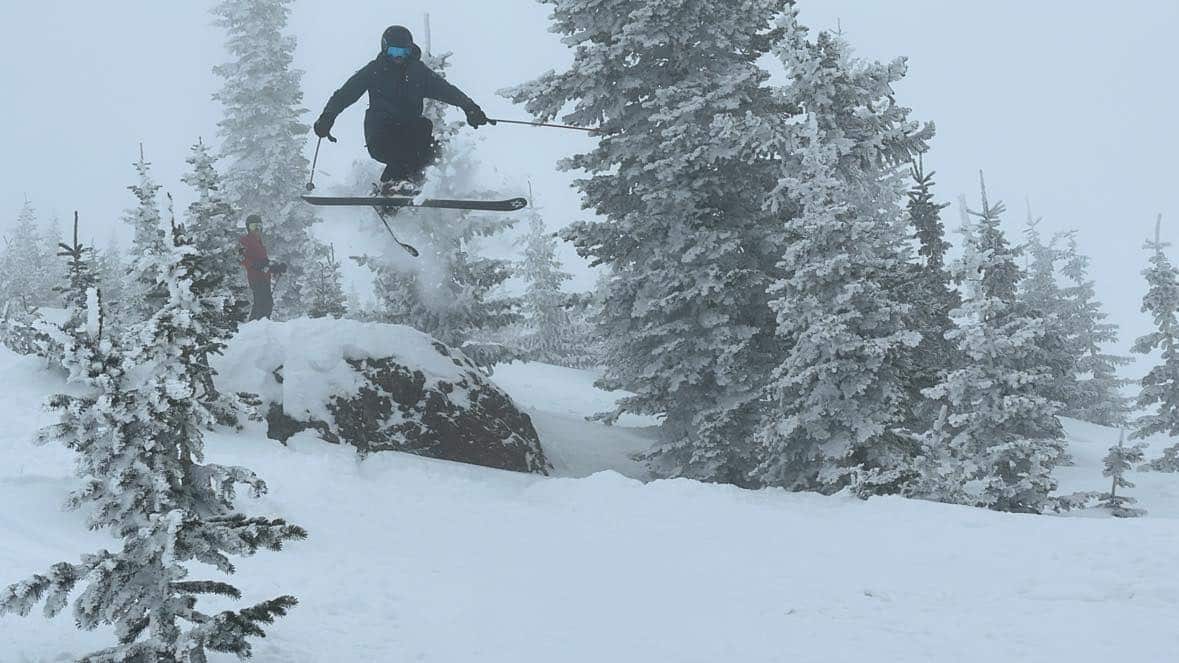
{"type": "Point", "coordinates": [396, 52]}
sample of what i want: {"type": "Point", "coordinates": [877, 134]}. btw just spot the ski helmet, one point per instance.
{"type": "Point", "coordinates": [253, 221]}
{"type": "Point", "coordinates": [397, 36]}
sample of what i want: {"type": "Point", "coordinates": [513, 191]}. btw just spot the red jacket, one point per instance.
{"type": "Point", "coordinates": [254, 259]}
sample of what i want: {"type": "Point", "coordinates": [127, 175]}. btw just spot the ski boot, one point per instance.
{"type": "Point", "coordinates": [402, 188]}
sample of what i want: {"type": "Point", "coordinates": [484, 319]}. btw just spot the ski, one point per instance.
{"type": "Point", "coordinates": [508, 205]}
{"type": "Point", "coordinates": [409, 248]}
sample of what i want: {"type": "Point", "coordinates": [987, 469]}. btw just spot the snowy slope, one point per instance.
{"type": "Point", "coordinates": [418, 560]}
{"type": "Point", "coordinates": [559, 400]}
{"type": "Point", "coordinates": [1089, 443]}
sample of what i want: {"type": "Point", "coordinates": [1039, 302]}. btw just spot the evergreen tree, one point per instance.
{"type": "Point", "coordinates": [138, 436]}
{"type": "Point", "coordinates": [1120, 460]}
{"type": "Point", "coordinates": [841, 393]}
{"type": "Point", "coordinates": [212, 234]}
{"type": "Point", "coordinates": [451, 293]}
{"type": "Point", "coordinates": [1005, 280]}
{"type": "Point", "coordinates": [263, 136]}
{"type": "Point", "coordinates": [1168, 462]}
{"type": "Point", "coordinates": [445, 130]}
{"type": "Point", "coordinates": [112, 275]}
{"type": "Point", "coordinates": [145, 219]}
{"type": "Point", "coordinates": [327, 287]}
{"type": "Point", "coordinates": [549, 334]}
{"type": "Point", "coordinates": [934, 294]}
{"type": "Point", "coordinates": [142, 297]}
{"type": "Point", "coordinates": [81, 291]}
{"type": "Point", "coordinates": [678, 179]}
{"type": "Point", "coordinates": [1160, 388]}
{"type": "Point", "coordinates": [214, 231]}
{"type": "Point", "coordinates": [52, 272]}
{"type": "Point", "coordinates": [925, 218]}
{"type": "Point", "coordinates": [1002, 274]}
{"type": "Point", "coordinates": [357, 310]}
{"type": "Point", "coordinates": [998, 437]}
{"type": "Point", "coordinates": [586, 348]}
{"type": "Point", "coordinates": [25, 266]}
{"type": "Point", "coordinates": [1041, 296]}
{"type": "Point", "coordinates": [1098, 396]}
{"type": "Point", "coordinates": [28, 278]}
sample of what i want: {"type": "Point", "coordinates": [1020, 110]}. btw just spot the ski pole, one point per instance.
{"type": "Point", "coordinates": [549, 126]}
{"type": "Point", "coordinates": [315, 162]}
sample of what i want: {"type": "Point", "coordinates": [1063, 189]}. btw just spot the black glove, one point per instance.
{"type": "Point", "coordinates": [323, 126]}
{"type": "Point", "coordinates": [278, 269]}
{"type": "Point", "coordinates": [476, 117]}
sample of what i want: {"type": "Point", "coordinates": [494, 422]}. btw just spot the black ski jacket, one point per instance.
{"type": "Point", "coordinates": [396, 92]}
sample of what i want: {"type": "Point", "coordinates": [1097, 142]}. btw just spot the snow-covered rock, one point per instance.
{"type": "Point", "coordinates": [379, 388]}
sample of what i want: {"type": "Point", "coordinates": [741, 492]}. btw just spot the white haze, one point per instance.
{"type": "Point", "coordinates": [1067, 102]}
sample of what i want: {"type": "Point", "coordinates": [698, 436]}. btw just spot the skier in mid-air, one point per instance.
{"type": "Point", "coordinates": [398, 82]}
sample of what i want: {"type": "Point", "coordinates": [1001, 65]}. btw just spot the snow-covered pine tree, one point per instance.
{"type": "Point", "coordinates": [26, 269]}
{"type": "Point", "coordinates": [211, 231]}
{"type": "Point", "coordinates": [81, 291]}
{"type": "Point", "coordinates": [1167, 462]}
{"type": "Point", "coordinates": [452, 295]}
{"type": "Point", "coordinates": [264, 135]}
{"type": "Point", "coordinates": [936, 295]}
{"type": "Point", "coordinates": [841, 394]}
{"type": "Point", "coordinates": [357, 309]}
{"type": "Point", "coordinates": [1004, 280]}
{"type": "Point", "coordinates": [1098, 397]}
{"type": "Point", "coordinates": [998, 437]}
{"type": "Point", "coordinates": [139, 441]}
{"type": "Point", "coordinates": [214, 230]}
{"type": "Point", "coordinates": [25, 266]}
{"type": "Point", "coordinates": [1041, 295]}
{"type": "Point", "coordinates": [326, 281]}
{"type": "Point", "coordinates": [142, 296]}
{"type": "Point", "coordinates": [1001, 274]}
{"type": "Point", "coordinates": [548, 324]}
{"type": "Point", "coordinates": [112, 275]}
{"type": "Point", "coordinates": [678, 179]}
{"type": "Point", "coordinates": [78, 290]}
{"type": "Point", "coordinates": [588, 350]}
{"type": "Point", "coordinates": [437, 112]}
{"type": "Point", "coordinates": [925, 219]}
{"type": "Point", "coordinates": [1160, 388]}
{"type": "Point", "coordinates": [1118, 461]}
{"type": "Point", "coordinates": [588, 317]}
{"type": "Point", "coordinates": [53, 271]}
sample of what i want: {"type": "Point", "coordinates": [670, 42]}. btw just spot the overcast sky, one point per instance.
{"type": "Point", "coordinates": [1068, 102]}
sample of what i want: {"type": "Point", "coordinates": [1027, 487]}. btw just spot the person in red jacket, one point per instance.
{"type": "Point", "coordinates": [259, 270]}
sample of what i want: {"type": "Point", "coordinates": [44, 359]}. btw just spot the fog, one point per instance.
{"type": "Point", "coordinates": [1070, 104]}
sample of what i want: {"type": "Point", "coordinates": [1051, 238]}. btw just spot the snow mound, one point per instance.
{"type": "Point", "coordinates": [378, 388]}
{"type": "Point", "coordinates": [313, 357]}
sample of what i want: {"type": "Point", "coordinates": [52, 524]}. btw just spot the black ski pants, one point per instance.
{"type": "Point", "coordinates": [406, 147]}
{"type": "Point", "coordinates": [263, 299]}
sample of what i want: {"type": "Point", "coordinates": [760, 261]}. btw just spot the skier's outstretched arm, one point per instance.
{"type": "Point", "coordinates": [439, 89]}
{"type": "Point", "coordinates": [350, 93]}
